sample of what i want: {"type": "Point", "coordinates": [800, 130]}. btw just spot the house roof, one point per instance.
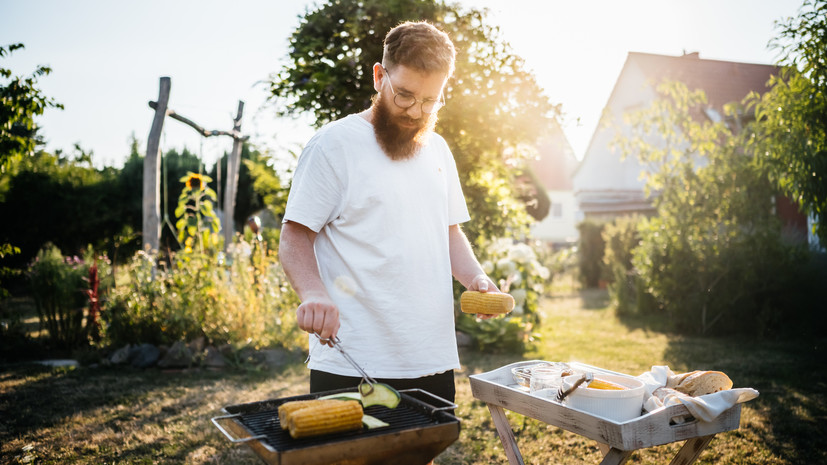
{"type": "Point", "coordinates": [555, 162]}
{"type": "Point", "coordinates": [722, 81]}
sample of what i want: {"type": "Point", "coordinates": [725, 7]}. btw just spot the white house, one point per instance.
{"type": "Point", "coordinates": [552, 167]}
{"type": "Point", "coordinates": [606, 186]}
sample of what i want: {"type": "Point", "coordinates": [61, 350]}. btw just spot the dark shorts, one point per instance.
{"type": "Point", "coordinates": [441, 384]}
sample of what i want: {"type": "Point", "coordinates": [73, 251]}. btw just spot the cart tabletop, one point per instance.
{"type": "Point", "coordinates": [498, 389]}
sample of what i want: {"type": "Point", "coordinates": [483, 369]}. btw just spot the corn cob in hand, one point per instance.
{"type": "Point", "coordinates": [487, 303]}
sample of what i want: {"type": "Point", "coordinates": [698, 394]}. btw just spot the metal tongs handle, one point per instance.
{"type": "Point", "coordinates": [336, 343]}
{"type": "Point", "coordinates": [584, 378]}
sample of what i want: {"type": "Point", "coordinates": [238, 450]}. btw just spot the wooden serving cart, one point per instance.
{"type": "Point", "coordinates": [617, 441]}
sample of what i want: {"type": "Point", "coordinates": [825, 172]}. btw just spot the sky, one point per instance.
{"type": "Point", "coordinates": [107, 58]}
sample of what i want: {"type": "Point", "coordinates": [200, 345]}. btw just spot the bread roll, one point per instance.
{"type": "Point", "coordinates": [701, 383]}
{"type": "Point", "coordinates": [676, 379]}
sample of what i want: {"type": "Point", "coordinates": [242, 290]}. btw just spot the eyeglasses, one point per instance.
{"type": "Point", "coordinates": [406, 101]}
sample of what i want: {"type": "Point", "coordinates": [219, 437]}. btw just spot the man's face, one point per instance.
{"type": "Point", "coordinates": [401, 132]}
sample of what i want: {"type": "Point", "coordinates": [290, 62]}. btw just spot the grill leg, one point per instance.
{"type": "Point", "coordinates": [512, 451]}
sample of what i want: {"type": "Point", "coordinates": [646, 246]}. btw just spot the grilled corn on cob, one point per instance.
{"type": "Point", "coordinates": [286, 409]}
{"type": "Point", "coordinates": [489, 303]}
{"type": "Point", "coordinates": [335, 417]}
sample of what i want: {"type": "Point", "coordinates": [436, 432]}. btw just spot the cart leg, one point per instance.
{"type": "Point", "coordinates": [616, 457]}
{"type": "Point", "coordinates": [691, 450]}
{"type": "Point", "coordinates": [512, 451]}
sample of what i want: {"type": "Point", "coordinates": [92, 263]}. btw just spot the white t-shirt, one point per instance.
{"type": "Point", "coordinates": [382, 248]}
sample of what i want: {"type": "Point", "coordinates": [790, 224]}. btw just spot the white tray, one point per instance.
{"type": "Point", "coordinates": [498, 388]}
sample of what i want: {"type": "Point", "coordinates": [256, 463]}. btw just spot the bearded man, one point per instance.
{"type": "Point", "coordinates": [371, 237]}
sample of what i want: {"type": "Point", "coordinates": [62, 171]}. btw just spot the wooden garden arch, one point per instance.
{"type": "Point", "coordinates": [152, 168]}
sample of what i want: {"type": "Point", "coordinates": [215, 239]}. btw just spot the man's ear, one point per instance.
{"type": "Point", "coordinates": [378, 75]}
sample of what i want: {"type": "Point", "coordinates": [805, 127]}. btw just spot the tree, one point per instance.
{"type": "Point", "coordinates": [713, 257]}
{"type": "Point", "coordinates": [20, 102]}
{"type": "Point", "coordinates": [257, 183]}
{"type": "Point", "coordinates": [59, 199]}
{"type": "Point", "coordinates": [495, 110]}
{"type": "Point", "coordinates": [791, 137]}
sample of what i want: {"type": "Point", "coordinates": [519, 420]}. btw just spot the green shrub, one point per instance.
{"type": "Point", "coordinates": [590, 253]}
{"type": "Point", "coordinates": [626, 288]}
{"type": "Point", "coordinates": [242, 299]}
{"type": "Point", "coordinates": [15, 342]}
{"type": "Point", "coordinates": [6, 249]}
{"type": "Point", "coordinates": [61, 290]}
{"type": "Point", "coordinates": [563, 261]}
{"type": "Point", "coordinates": [714, 256]}
{"type": "Point", "coordinates": [753, 284]}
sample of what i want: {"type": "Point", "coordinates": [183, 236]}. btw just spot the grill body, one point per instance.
{"type": "Point", "coordinates": [418, 432]}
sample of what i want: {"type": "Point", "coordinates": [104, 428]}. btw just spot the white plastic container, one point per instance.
{"type": "Point", "coordinates": [614, 405]}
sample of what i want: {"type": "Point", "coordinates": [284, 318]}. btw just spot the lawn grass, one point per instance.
{"type": "Point", "coordinates": [111, 415]}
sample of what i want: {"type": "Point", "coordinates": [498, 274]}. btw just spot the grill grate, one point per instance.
{"type": "Point", "coordinates": [261, 418]}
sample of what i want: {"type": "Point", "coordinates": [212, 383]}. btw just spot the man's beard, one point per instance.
{"type": "Point", "coordinates": [399, 142]}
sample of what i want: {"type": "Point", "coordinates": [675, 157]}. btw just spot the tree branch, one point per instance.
{"type": "Point", "coordinates": [172, 114]}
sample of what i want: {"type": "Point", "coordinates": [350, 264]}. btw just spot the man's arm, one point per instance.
{"type": "Point", "coordinates": [464, 265]}
{"type": "Point", "coordinates": [317, 312]}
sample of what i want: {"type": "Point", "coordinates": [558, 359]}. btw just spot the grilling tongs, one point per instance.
{"type": "Point", "coordinates": [336, 343]}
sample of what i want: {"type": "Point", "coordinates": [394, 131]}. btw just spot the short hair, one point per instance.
{"type": "Point", "coordinates": [421, 46]}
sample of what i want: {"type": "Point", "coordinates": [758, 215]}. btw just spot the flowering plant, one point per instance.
{"type": "Point", "coordinates": [244, 301]}
{"type": "Point", "coordinates": [197, 224]}
{"type": "Point", "coordinates": [518, 271]}
{"type": "Point", "coordinates": [63, 290]}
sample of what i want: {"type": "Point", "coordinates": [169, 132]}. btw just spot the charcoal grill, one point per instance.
{"type": "Point", "coordinates": [418, 431]}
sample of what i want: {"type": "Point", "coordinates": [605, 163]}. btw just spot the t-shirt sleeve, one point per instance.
{"type": "Point", "coordinates": [316, 192]}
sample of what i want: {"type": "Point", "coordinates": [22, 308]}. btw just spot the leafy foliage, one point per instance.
{"type": "Point", "coordinates": [627, 289]}
{"type": "Point", "coordinates": [6, 249]}
{"type": "Point", "coordinates": [791, 137]}
{"type": "Point", "coordinates": [244, 300]}
{"type": "Point", "coordinates": [590, 252]}
{"type": "Point", "coordinates": [62, 199]}
{"type": "Point", "coordinates": [267, 184]}
{"type": "Point", "coordinates": [256, 180]}
{"type": "Point", "coordinates": [495, 109]}
{"type": "Point", "coordinates": [20, 102]}
{"type": "Point", "coordinates": [59, 199]}
{"type": "Point", "coordinates": [60, 288]}
{"type": "Point", "coordinates": [713, 256]}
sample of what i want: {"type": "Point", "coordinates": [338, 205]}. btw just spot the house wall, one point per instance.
{"type": "Point", "coordinates": [559, 227]}
{"type": "Point", "coordinates": [606, 184]}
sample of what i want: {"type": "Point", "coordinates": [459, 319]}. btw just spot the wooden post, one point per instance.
{"type": "Point", "coordinates": [152, 172]}
{"type": "Point", "coordinates": [233, 164]}
{"type": "Point", "coordinates": [152, 167]}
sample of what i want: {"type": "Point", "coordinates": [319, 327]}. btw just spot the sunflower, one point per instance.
{"type": "Point", "coordinates": [195, 181]}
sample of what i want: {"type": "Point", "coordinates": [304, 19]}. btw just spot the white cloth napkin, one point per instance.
{"type": "Point", "coordinates": [706, 408]}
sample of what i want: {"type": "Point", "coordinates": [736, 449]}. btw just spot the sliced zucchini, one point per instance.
{"type": "Point", "coordinates": [371, 422]}
{"type": "Point", "coordinates": [344, 396]}
{"type": "Point", "coordinates": [382, 395]}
